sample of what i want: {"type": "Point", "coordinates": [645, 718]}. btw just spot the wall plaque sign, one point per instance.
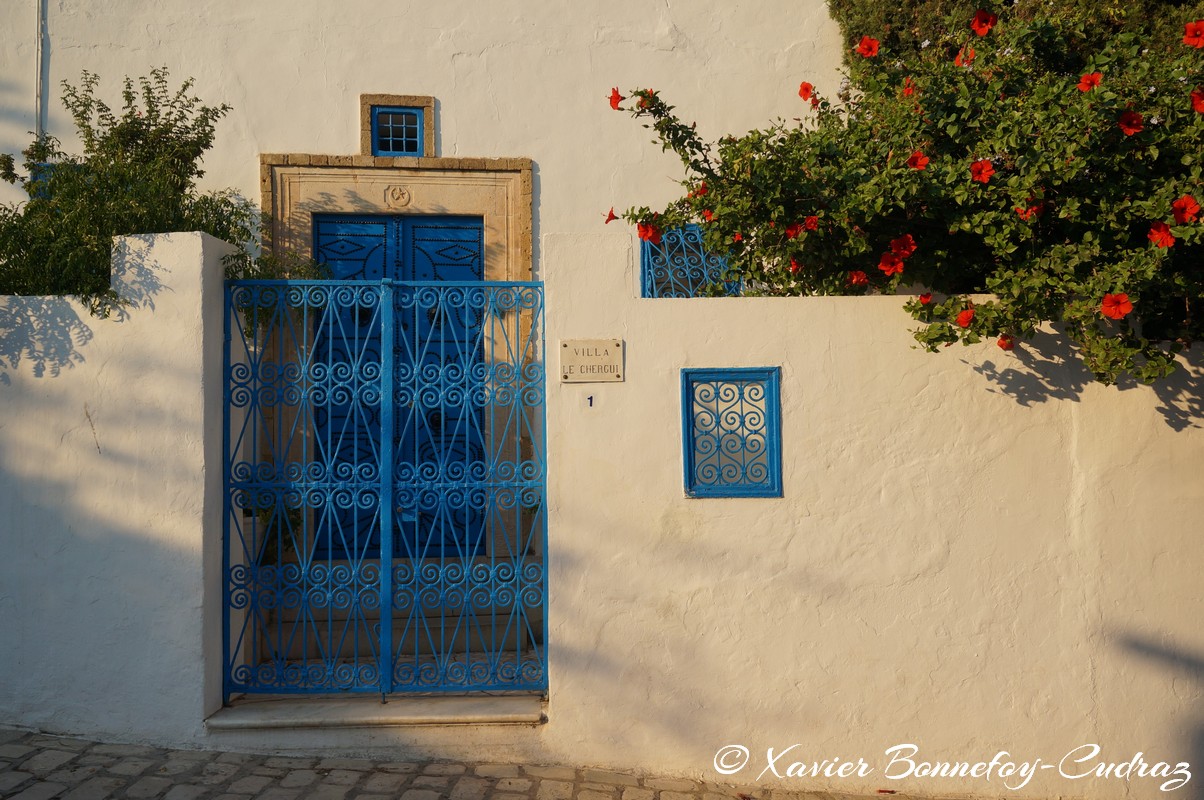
{"type": "Point", "coordinates": [591, 360]}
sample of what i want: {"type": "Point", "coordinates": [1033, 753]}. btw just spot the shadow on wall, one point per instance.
{"type": "Point", "coordinates": [49, 333]}
{"type": "Point", "coordinates": [1050, 369]}
{"type": "Point", "coordinates": [1181, 665]}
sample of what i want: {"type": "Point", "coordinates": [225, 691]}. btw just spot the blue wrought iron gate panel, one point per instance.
{"type": "Point", "coordinates": [364, 550]}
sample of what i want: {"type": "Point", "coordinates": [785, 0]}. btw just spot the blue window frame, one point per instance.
{"type": "Point", "coordinates": [680, 266]}
{"type": "Point", "coordinates": [397, 131]}
{"type": "Point", "coordinates": [732, 432]}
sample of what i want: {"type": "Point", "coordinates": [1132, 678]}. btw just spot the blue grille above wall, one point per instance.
{"type": "Point", "coordinates": [397, 131]}
{"type": "Point", "coordinates": [385, 504]}
{"type": "Point", "coordinates": [680, 266]}
{"type": "Point", "coordinates": [732, 432]}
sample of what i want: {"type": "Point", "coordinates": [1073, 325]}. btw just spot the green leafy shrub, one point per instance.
{"type": "Point", "coordinates": [1009, 155]}
{"type": "Point", "coordinates": [137, 174]}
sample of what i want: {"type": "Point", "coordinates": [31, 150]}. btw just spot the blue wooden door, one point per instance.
{"type": "Point", "coordinates": [438, 434]}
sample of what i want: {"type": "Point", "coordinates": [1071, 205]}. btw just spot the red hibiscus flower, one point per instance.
{"type": "Point", "coordinates": [1031, 210]}
{"type": "Point", "coordinates": [699, 192]}
{"type": "Point", "coordinates": [1130, 122]}
{"type": "Point", "coordinates": [811, 223]}
{"type": "Point", "coordinates": [909, 87]}
{"type": "Point", "coordinates": [1116, 306]}
{"type": "Point", "coordinates": [858, 278]}
{"type": "Point", "coordinates": [1160, 234]}
{"type": "Point", "coordinates": [649, 232]}
{"type": "Point", "coordinates": [805, 89]}
{"type": "Point", "coordinates": [1090, 81]}
{"type": "Point", "coordinates": [737, 237]}
{"type": "Point", "coordinates": [904, 246]}
{"type": "Point", "coordinates": [1006, 342]}
{"type": "Point", "coordinates": [646, 97]}
{"type": "Point", "coordinates": [707, 214]}
{"type": "Point", "coordinates": [615, 98]}
{"type": "Point", "coordinates": [981, 171]}
{"type": "Point", "coordinates": [891, 264]}
{"type": "Point", "coordinates": [925, 298]}
{"type": "Point", "coordinates": [965, 318]}
{"type": "Point", "coordinates": [917, 160]}
{"type": "Point", "coordinates": [1186, 209]}
{"type": "Point", "coordinates": [610, 217]}
{"type": "Point", "coordinates": [795, 267]}
{"type": "Point", "coordinates": [965, 57]}
{"type": "Point", "coordinates": [1197, 100]}
{"type": "Point", "coordinates": [815, 102]}
{"type": "Point", "coordinates": [1193, 33]}
{"type": "Point", "coordinates": [793, 230]}
{"type": "Point", "coordinates": [867, 47]}
{"type": "Point", "coordinates": [983, 22]}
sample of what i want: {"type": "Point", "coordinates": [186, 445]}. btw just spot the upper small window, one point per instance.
{"type": "Point", "coordinates": [397, 131]}
{"type": "Point", "coordinates": [680, 266]}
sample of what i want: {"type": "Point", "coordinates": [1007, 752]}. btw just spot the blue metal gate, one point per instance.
{"type": "Point", "coordinates": [385, 507]}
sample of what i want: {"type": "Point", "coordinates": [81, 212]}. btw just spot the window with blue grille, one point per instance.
{"type": "Point", "coordinates": [680, 266]}
{"type": "Point", "coordinates": [732, 432]}
{"type": "Point", "coordinates": [397, 131]}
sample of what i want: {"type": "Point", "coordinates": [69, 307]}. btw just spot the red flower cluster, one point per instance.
{"type": "Point", "coordinates": [708, 215]}
{"type": "Point", "coordinates": [811, 223]}
{"type": "Point", "coordinates": [858, 278]}
{"type": "Point", "coordinates": [1116, 306]}
{"type": "Point", "coordinates": [649, 232]}
{"type": "Point", "coordinates": [793, 230]}
{"type": "Point", "coordinates": [965, 318]}
{"type": "Point", "coordinates": [699, 192]}
{"type": "Point", "coordinates": [615, 98]}
{"type": "Point", "coordinates": [983, 22]}
{"type": "Point", "coordinates": [892, 260]}
{"type": "Point", "coordinates": [1160, 234]}
{"type": "Point", "coordinates": [925, 298]}
{"type": "Point", "coordinates": [965, 57]}
{"type": "Point", "coordinates": [1186, 209]}
{"type": "Point", "coordinates": [1006, 342]}
{"type": "Point", "coordinates": [1031, 210]}
{"type": "Point", "coordinates": [737, 237]}
{"type": "Point", "coordinates": [1197, 100]}
{"type": "Point", "coordinates": [1193, 33]}
{"type": "Point", "coordinates": [867, 47]}
{"type": "Point", "coordinates": [1090, 81]}
{"type": "Point", "coordinates": [909, 87]}
{"type": "Point", "coordinates": [917, 160]}
{"type": "Point", "coordinates": [1131, 122]}
{"type": "Point", "coordinates": [795, 267]}
{"type": "Point", "coordinates": [805, 90]}
{"type": "Point", "coordinates": [981, 171]}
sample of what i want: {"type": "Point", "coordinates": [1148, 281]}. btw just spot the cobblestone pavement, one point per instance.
{"type": "Point", "coordinates": [35, 766]}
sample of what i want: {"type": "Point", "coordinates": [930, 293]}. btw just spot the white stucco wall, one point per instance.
{"type": "Point", "coordinates": [971, 555]}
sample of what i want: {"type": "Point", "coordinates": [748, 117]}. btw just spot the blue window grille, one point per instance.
{"type": "Point", "coordinates": [397, 131]}
{"type": "Point", "coordinates": [680, 266]}
{"type": "Point", "coordinates": [360, 556]}
{"type": "Point", "coordinates": [732, 432]}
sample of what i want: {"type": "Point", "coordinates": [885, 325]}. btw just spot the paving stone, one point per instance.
{"type": "Point", "coordinates": [131, 766]}
{"type": "Point", "coordinates": [298, 778]}
{"type": "Point", "coordinates": [42, 741]}
{"type": "Point", "coordinates": [589, 794]}
{"type": "Point", "coordinates": [608, 789]}
{"type": "Point", "coordinates": [95, 789]}
{"type": "Point", "coordinates": [514, 785]}
{"type": "Point", "coordinates": [469, 789]}
{"type": "Point", "coordinates": [497, 771]}
{"type": "Point", "coordinates": [606, 776]}
{"type": "Point", "coordinates": [89, 760]}
{"type": "Point", "coordinates": [213, 774]}
{"type": "Point", "coordinates": [148, 787]}
{"type": "Point", "coordinates": [420, 794]}
{"type": "Point", "coordinates": [554, 790]}
{"type": "Point", "coordinates": [279, 794]}
{"type": "Point", "coordinates": [361, 764]}
{"type": "Point", "coordinates": [47, 761]}
{"type": "Point", "coordinates": [40, 791]}
{"type": "Point", "coordinates": [507, 796]}
{"type": "Point", "coordinates": [270, 771]}
{"type": "Point", "coordinates": [11, 734]}
{"type": "Point", "coordinates": [444, 769]}
{"type": "Point", "coordinates": [374, 797]}
{"type": "Point", "coordinates": [342, 777]}
{"type": "Point", "coordinates": [124, 750]}
{"type": "Point", "coordinates": [677, 796]}
{"type": "Point", "coordinates": [237, 758]}
{"type": "Point", "coordinates": [250, 784]}
{"type": "Point", "coordinates": [328, 791]}
{"type": "Point", "coordinates": [384, 782]}
{"type": "Point", "coordinates": [11, 751]}
{"type": "Point", "coordinates": [11, 780]}
{"type": "Point", "coordinates": [72, 775]}
{"type": "Point", "coordinates": [398, 766]}
{"type": "Point", "coordinates": [555, 773]}
{"type": "Point", "coordinates": [638, 794]}
{"type": "Point", "coordinates": [671, 784]}
{"type": "Point", "coordinates": [431, 782]}
{"type": "Point", "coordinates": [177, 766]}
{"type": "Point", "coordinates": [233, 797]}
{"type": "Point", "coordinates": [185, 792]}
{"type": "Point", "coordinates": [289, 763]}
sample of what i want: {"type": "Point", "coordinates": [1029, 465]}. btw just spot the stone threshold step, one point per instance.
{"type": "Point", "coordinates": [369, 711]}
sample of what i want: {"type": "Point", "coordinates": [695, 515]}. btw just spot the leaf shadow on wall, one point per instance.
{"type": "Point", "coordinates": [1048, 367]}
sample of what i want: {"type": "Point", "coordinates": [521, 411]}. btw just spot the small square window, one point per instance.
{"type": "Point", "coordinates": [396, 131]}
{"type": "Point", "coordinates": [732, 432]}
{"type": "Point", "coordinates": [681, 266]}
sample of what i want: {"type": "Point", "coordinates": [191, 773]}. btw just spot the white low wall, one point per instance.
{"type": "Point", "coordinates": [960, 561]}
